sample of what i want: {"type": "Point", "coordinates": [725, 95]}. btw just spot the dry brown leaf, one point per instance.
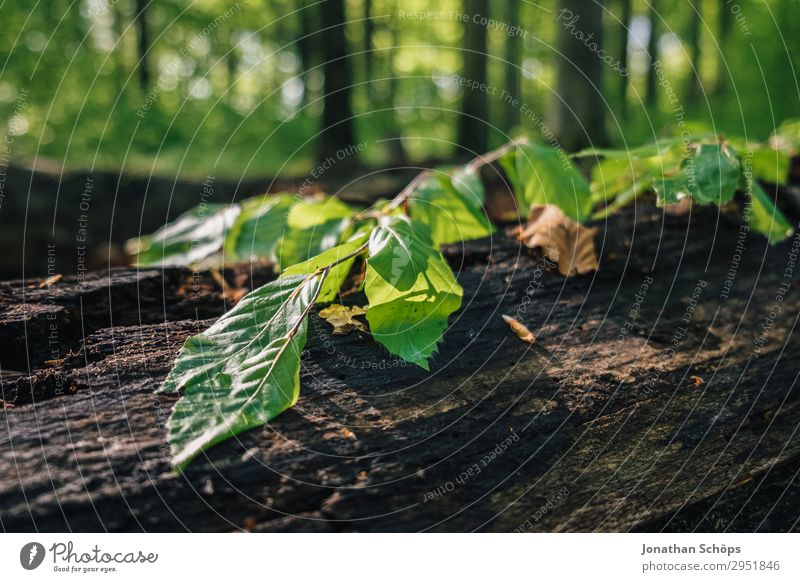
{"type": "Point", "coordinates": [560, 239]}
{"type": "Point", "coordinates": [51, 280]}
{"type": "Point", "coordinates": [520, 330]}
{"type": "Point", "coordinates": [228, 292]}
{"type": "Point", "coordinates": [342, 318]}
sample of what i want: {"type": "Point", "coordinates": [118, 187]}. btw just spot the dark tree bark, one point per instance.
{"type": "Point", "coordinates": [651, 96]}
{"type": "Point", "coordinates": [143, 44]}
{"type": "Point", "coordinates": [608, 431]}
{"type": "Point", "coordinates": [473, 129]}
{"type": "Point", "coordinates": [578, 115]}
{"type": "Point", "coordinates": [513, 62]}
{"type": "Point", "coordinates": [337, 117]}
{"type": "Point", "coordinates": [626, 10]}
{"type": "Point", "coordinates": [694, 83]}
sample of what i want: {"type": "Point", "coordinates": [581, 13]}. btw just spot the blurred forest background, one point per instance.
{"type": "Point", "coordinates": [266, 87]}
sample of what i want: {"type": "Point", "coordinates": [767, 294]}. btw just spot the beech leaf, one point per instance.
{"type": "Point", "coordinates": [560, 239]}
{"type": "Point", "coordinates": [243, 371]}
{"type": "Point", "coordinates": [411, 289]}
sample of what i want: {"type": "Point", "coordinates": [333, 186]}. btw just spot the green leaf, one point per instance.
{"type": "Point", "coordinates": [541, 174]}
{"type": "Point", "coordinates": [717, 173]}
{"type": "Point", "coordinates": [766, 218]}
{"type": "Point", "coordinates": [259, 228]}
{"type": "Point", "coordinates": [337, 275]}
{"type": "Point", "coordinates": [610, 178]}
{"type": "Point", "coordinates": [710, 174]}
{"type": "Point", "coordinates": [313, 226]}
{"type": "Point", "coordinates": [411, 289]}
{"type": "Point", "coordinates": [451, 207]}
{"type": "Point", "coordinates": [787, 135]}
{"type": "Point", "coordinates": [467, 182]}
{"type": "Point", "coordinates": [193, 236]}
{"type": "Point", "coordinates": [243, 371]}
{"type": "Point", "coordinates": [770, 165]}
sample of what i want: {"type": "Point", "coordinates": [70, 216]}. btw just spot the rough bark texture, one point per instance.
{"type": "Point", "coordinates": [642, 405]}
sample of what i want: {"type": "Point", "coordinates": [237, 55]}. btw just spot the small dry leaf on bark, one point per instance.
{"type": "Point", "coordinates": [519, 329]}
{"type": "Point", "coordinates": [560, 239]}
{"type": "Point", "coordinates": [228, 292]}
{"type": "Point", "coordinates": [343, 318]}
{"type": "Point", "coordinates": [51, 280]}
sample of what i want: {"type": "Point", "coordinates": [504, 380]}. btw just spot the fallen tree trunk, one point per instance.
{"type": "Point", "coordinates": [661, 394]}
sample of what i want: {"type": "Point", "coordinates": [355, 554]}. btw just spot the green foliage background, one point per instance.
{"type": "Point", "coordinates": [229, 94]}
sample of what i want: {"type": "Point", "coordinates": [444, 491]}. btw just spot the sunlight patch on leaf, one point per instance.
{"type": "Point", "coordinates": [243, 371]}
{"type": "Point", "coordinates": [411, 290]}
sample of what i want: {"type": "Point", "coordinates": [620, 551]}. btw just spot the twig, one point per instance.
{"type": "Point", "coordinates": [473, 166]}
{"type": "Point", "coordinates": [494, 155]}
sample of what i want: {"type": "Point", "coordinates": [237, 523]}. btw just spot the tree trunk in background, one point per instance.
{"type": "Point", "coordinates": [142, 44]}
{"type": "Point", "coordinates": [723, 40]}
{"type": "Point", "coordinates": [369, 29]}
{"type": "Point", "coordinates": [578, 114]}
{"type": "Point", "coordinates": [694, 82]}
{"type": "Point", "coordinates": [337, 116]}
{"type": "Point", "coordinates": [305, 44]}
{"type": "Point", "coordinates": [397, 151]}
{"type": "Point", "coordinates": [651, 97]}
{"type": "Point", "coordinates": [513, 58]}
{"type": "Point", "coordinates": [473, 132]}
{"type": "Point", "coordinates": [231, 65]}
{"type": "Point", "coordinates": [625, 22]}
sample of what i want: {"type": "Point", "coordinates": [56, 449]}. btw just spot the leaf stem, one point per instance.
{"type": "Point", "coordinates": [326, 269]}
{"type": "Point", "coordinates": [495, 155]}
{"type": "Point", "coordinates": [476, 164]}
{"type": "Point", "coordinates": [408, 190]}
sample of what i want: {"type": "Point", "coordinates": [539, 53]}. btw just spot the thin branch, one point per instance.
{"type": "Point", "coordinates": [476, 164]}
{"type": "Point", "coordinates": [494, 155]}
{"type": "Point", "coordinates": [409, 190]}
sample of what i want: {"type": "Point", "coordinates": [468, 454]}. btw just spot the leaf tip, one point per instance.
{"type": "Point", "coordinates": [520, 330]}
